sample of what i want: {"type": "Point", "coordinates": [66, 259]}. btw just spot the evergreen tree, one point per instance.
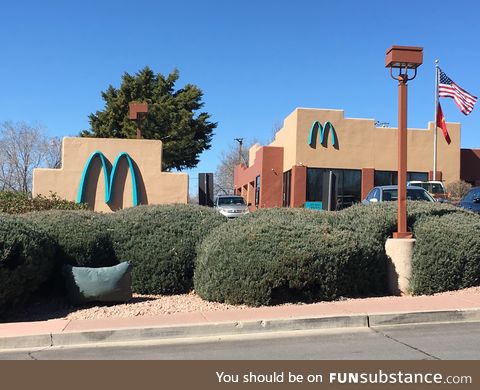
{"type": "Point", "coordinates": [172, 116]}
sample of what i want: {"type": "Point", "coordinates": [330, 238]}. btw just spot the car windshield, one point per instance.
{"type": "Point", "coordinates": [231, 200]}
{"type": "Point", "coordinates": [437, 189]}
{"type": "Point", "coordinates": [433, 188]}
{"type": "Point", "coordinates": [412, 194]}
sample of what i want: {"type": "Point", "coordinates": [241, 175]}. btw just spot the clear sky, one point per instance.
{"type": "Point", "coordinates": [256, 61]}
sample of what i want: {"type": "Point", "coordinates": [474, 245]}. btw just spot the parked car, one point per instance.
{"type": "Point", "coordinates": [434, 188]}
{"type": "Point", "coordinates": [231, 206]}
{"type": "Point", "coordinates": [471, 201]}
{"type": "Point", "coordinates": [389, 193]}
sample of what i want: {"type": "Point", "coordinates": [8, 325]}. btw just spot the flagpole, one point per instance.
{"type": "Point", "coordinates": [435, 129]}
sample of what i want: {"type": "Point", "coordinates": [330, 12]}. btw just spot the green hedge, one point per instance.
{"type": "Point", "coordinates": [282, 255]}
{"type": "Point", "coordinates": [278, 255]}
{"type": "Point", "coordinates": [379, 220]}
{"type": "Point", "coordinates": [19, 202]}
{"type": "Point", "coordinates": [26, 261]}
{"type": "Point", "coordinates": [447, 253]}
{"type": "Point", "coordinates": [161, 242]}
{"type": "Point", "coordinates": [266, 257]}
{"type": "Point", "coordinates": [82, 237]}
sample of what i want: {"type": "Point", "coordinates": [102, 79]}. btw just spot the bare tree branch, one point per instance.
{"type": "Point", "coordinates": [223, 179]}
{"type": "Point", "coordinates": [22, 148]}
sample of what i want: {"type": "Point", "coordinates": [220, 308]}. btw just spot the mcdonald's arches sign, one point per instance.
{"type": "Point", "coordinates": [110, 174]}
{"type": "Point", "coordinates": [109, 177]}
{"type": "Point", "coordinates": [323, 132]}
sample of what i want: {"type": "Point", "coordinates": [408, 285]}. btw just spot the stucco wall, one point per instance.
{"type": "Point", "coordinates": [362, 145]}
{"type": "Point", "coordinates": [286, 137]}
{"type": "Point", "coordinates": [155, 186]}
{"type": "Point", "coordinates": [470, 166]}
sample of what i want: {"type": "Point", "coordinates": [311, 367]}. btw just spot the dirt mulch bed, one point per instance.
{"type": "Point", "coordinates": [140, 305]}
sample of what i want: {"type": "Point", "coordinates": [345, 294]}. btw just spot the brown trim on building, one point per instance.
{"type": "Point", "coordinates": [268, 165]}
{"type": "Point", "coordinates": [368, 181]}
{"type": "Point", "coordinates": [298, 186]}
{"type": "Point", "coordinates": [470, 166]}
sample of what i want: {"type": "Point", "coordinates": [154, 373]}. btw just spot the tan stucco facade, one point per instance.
{"type": "Point", "coordinates": [362, 145]}
{"type": "Point", "coordinates": [154, 186]}
{"type": "Point", "coordinates": [359, 146]}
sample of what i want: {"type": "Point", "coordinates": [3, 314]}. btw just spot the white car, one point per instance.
{"type": "Point", "coordinates": [231, 206]}
{"type": "Point", "coordinates": [434, 188]}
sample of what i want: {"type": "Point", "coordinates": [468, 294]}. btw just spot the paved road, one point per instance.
{"type": "Point", "coordinates": [432, 341]}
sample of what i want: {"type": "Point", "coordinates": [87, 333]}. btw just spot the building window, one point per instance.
{"type": "Point", "coordinates": [387, 178]}
{"type": "Point", "coordinates": [420, 176]}
{"type": "Point", "coordinates": [314, 184]}
{"type": "Point", "coordinates": [287, 180]}
{"type": "Point", "coordinates": [348, 185]}
{"type": "Point", "coordinates": [257, 190]}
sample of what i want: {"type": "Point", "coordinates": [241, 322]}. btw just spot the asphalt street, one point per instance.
{"type": "Point", "coordinates": [412, 342]}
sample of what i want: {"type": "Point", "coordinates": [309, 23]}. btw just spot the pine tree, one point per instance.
{"type": "Point", "coordinates": [172, 116]}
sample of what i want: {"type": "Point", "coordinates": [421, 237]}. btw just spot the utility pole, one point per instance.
{"type": "Point", "coordinates": [240, 144]}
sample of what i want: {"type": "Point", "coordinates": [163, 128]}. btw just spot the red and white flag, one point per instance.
{"type": "Point", "coordinates": [447, 88]}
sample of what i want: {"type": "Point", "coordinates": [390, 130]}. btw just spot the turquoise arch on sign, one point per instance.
{"type": "Point", "coordinates": [323, 130]}
{"type": "Point", "coordinates": [108, 178]}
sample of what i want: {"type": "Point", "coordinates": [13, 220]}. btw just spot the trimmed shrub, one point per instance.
{"type": "Point", "coordinates": [379, 221]}
{"type": "Point", "coordinates": [283, 255]}
{"type": "Point", "coordinates": [277, 255]}
{"type": "Point", "coordinates": [26, 261]}
{"type": "Point", "coordinates": [161, 242]}
{"type": "Point", "coordinates": [447, 253]}
{"type": "Point", "coordinates": [82, 237]}
{"type": "Point", "coordinates": [19, 202]}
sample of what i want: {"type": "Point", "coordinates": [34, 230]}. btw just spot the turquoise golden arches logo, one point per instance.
{"type": "Point", "coordinates": [109, 178]}
{"type": "Point", "coordinates": [324, 131]}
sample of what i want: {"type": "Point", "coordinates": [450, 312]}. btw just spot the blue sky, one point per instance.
{"type": "Point", "coordinates": [256, 61]}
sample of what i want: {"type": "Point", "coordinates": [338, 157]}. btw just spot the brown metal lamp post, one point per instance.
{"type": "Point", "coordinates": [403, 58]}
{"type": "Point", "coordinates": [135, 112]}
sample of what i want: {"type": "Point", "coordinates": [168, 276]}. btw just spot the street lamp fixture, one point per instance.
{"type": "Point", "coordinates": [403, 59]}
{"type": "Point", "coordinates": [240, 144]}
{"type": "Point", "coordinates": [136, 111]}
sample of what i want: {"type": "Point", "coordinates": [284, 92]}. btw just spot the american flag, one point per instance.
{"type": "Point", "coordinates": [463, 100]}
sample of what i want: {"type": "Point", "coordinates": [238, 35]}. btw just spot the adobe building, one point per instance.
{"type": "Point", "coordinates": [290, 171]}
{"type": "Point", "coordinates": [110, 174]}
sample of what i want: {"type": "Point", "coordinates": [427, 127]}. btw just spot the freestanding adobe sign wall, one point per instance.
{"type": "Point", "coordinates": [87, 174]}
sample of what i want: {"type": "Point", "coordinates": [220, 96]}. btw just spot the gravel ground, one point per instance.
{"type": "Point", "coordinates": [141, 305]}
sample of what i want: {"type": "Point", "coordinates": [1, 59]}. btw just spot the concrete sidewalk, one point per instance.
{"type": "Point", "coordinates": [368, 312]}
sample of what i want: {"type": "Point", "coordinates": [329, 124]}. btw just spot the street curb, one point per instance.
{"type": "Point", "coordinates": [234, 328]}
{"type": "Point", "coordinates": [203, 330]}
{"type": "Point", "coordinates": [424, 317]}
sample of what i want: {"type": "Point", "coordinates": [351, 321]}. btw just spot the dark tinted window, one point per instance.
{"type": "Point", "coordinates": [414, 194]}
{"type": "Point", "coordinates": [348, 186]}
{"type": "Point", "coordinates": [388, 195]}
{"type": "Point", "coordinates": [385, 178]}
{"type": "Point", "coordinates": [257, 190]}
{"type": "Point", "coordinates": [419, 176]}
{"type": "Point", "coordinates": [314, 184]}
{"type": "Point", "coordinates": [436, 188]}
{"type": "Point", "coordinates": [287, 178]}
{"type": "Point", "coordinates": [388, 178]}
{"type": "Point", "coordinates": [230, 200]}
